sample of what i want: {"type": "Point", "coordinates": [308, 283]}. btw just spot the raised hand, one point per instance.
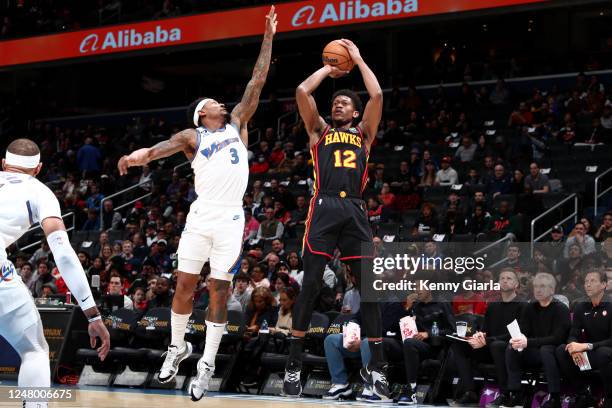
{"type": "Point", "coordinates": [352, 49]}
{"type": "Point", "coordinates": [271, 22]}
{"type": "Point", "coordinates": [336, 72]}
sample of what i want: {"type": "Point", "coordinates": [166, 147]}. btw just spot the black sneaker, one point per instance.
{"type": "Point", "coordinates": [607, 402]}
{"type": "Point", "coordinates": [467, 398]}
{"type": "Point", "coordinates": [552, 402]}
{"type": "Point", "coordinates": [407, 396]}
{"type": "Point", "coordinates": [584, 400]}
{"type": "Point", "coordinates": [514, 400]}
{"type": "Point", "coordinates": [292, 384]}
{"type": "Point", "coordinates": [378, 381]}
{"type": "Point", "coordinates": [496, 403]}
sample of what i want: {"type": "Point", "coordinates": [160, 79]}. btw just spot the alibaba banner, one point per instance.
{"type": "Point", "coordinates": [227, 25]}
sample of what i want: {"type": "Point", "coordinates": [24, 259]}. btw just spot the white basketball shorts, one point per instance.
{"type": "Point", "coordinates": [212, 232]}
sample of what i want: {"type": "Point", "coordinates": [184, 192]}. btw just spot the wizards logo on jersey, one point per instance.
{"type": "Point", "coordinates": [216, 147]}
{"type": "Point", "coordinates": [7, 271]}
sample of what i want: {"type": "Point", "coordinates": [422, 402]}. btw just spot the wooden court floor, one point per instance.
{"type": "Point", "coordinates": [98, 397]}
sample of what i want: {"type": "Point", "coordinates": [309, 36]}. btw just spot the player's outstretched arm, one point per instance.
{"type": "Point", "coordinates": [244, 111]}
{"type": "Point", "coordinates": [71, 270]}
{"type": "Point", "coordinates": [372, 113]}
{"type": "Point", "coordinates": [183, 141]}
{"type": "Point", "coordinates": [307, 106]}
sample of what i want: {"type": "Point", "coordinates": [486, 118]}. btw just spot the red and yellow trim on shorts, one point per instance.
{"type": "Point", "coordinates": [315, 165]}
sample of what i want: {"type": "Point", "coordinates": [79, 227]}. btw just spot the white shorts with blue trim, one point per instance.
{"type": "Point", "coordinates": [213, 232]}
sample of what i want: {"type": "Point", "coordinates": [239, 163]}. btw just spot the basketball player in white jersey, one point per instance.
{"type": "Point", "coordinates": [217, 148]}
{"type": "Point", "coordinates": [25, 201]}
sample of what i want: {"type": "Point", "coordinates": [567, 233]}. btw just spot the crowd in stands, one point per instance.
{"type": "Point", "coordinates": [488, 183]}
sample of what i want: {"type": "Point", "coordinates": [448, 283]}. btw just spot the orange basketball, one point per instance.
{"type": "Point", "coordinates": [337, 55]}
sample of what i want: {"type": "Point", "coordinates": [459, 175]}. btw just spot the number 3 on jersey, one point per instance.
{"type": "Point", "coordinates": [345, 158]}
{"type": "Point", "coordinates": [235, 157]}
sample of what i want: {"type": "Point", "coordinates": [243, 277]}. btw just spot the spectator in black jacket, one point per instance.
{"type": "Point", "coordinates": [591, 333]}
{"type": "Point", "coordinates": [163, 296]}
{"type": "Point", "coordinates": [426, 311]}
{"type": "Point", "coordinates": [544, 324]}
{"type": "Point", "coordinates": [489, 344]}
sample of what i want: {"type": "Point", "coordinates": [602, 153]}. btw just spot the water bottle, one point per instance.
{"type": "Point", "coordinates": [264, 327]}
{"type": "Point", "coordinates": [435, 331]}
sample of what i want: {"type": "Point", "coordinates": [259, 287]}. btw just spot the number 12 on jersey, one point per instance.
{"type": "Point", "coordinates": [345, 158]}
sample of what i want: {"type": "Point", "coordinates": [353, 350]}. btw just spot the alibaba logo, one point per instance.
{"type": "Point", "coordinates": [305, 15]}
{"type": "Point", "coordinates": [89, 43]}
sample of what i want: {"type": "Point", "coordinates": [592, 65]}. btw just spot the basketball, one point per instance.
{"type": "Point", "coordinates": [337, 55]}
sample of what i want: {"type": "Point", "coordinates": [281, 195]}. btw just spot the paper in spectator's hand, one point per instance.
{"type": "Point", "coordinates": [515, 331]}
{"type": "Point", "coordinates": [586, 364]}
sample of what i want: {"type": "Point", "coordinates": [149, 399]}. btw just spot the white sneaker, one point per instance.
{"type": "Point", "coordinates": [174, 356]}
{"type": "Point", "coordinates": [199, 385]}
{"type": "Point", "coordinates": [338, 391]}
{"type": "Point", "coordinates": [366, 394]}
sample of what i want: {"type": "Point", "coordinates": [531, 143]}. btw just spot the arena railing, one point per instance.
{"type": "Point", "coordinates": [494, 245]}
{"type": "Point", "coordinates": [598, 194]}
{"type": "Point", "coordinates": [123, 205]}
{"type": "Point", "coordinates": [37, 243]}
{"type": "Point", "coordinates": [574, 214]}
{"type": "Point", "coordinates": [280, 119]}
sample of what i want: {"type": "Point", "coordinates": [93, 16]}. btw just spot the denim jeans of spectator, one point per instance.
{"type": "Point", "coordinates": [335, 353]}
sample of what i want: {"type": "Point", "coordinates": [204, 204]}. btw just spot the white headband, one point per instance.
{"type": "Point", "coordinates": [26, 162]}
{"type": "Point", "coordinates": [196, 114]}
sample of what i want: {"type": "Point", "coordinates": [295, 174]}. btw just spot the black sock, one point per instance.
{"type": "Point", "coordinates": [555, 395]}
{"type": "Point", "coordinates": [376, 354]}
{"type": "Point", "coordinates": [296, 345]}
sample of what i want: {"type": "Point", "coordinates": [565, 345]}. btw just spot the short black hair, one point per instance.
{"type": "Point", "coordinates": [191, 110]}
{"type": "Point", "coordinates": [23, 147]}
{"type": "Point", "coordinates": [352, 95]}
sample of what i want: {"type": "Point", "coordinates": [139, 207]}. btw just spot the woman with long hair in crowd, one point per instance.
{"type": "Point", "coordinates": [296, 272]}
{"type": "Point", "coordinates": [285, 311]}
{"type": "Point", "coordinates": [429, 175]}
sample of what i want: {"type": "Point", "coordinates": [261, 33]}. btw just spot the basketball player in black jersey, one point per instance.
{"type": "Point", "coordinates": [337, 214]}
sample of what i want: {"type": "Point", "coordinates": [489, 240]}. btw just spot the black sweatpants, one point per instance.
{"type": "Point", "coordinates": [543, 356]}
{"type": "Point", "coordinates": [600, 359]}
{"type": "Point", "coordinates": [463, 354]}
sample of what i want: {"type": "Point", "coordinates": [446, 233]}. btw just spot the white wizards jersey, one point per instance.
{"type": "Point", "coordinates": [221, 166]}
{"type": "Point", "coordinates": [23, 201]}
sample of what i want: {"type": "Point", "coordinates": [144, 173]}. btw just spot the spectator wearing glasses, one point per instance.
{"type": "Point", "coordinates": [591, 333]}
{"type": "Point", "coordinates": [544, 324]}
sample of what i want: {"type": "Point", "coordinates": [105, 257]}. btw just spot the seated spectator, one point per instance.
{"type": "Point", "coordinates": [514, 260]}
{"type": "Point", "coordinates": [446, 176]}
{"type": "Point", "coordinates": [386, 197]}
{"type": "Point", "coordinates": [158, 256]}
{"type": "Point", "coordinates": [570, 271]}
{"type": "Point", "coordinates": [281, 282]}
{"type": "Point", "coordinates": [604, 231]}
{"type": "Point", "coordinates": [242, 290]}
{"type": "Point", "coordinates": [299, 214]}
{"type": "Point", "coordinates": [453, 222]}
{"type": "Point", "coordinates": [287, 297]}
{"type": "Point", "coordinates": [95, 197]}
{"type": "Point", "coordinates": [28, 276]}
{"type": "Point", "coordinates": [429, 175]}
{"type": "Point", "coordinates": [111, 219]}
{"type": "Point", "coordinates": [93, 221]}
{"type": "Point", "coordinates": [162, 296]}
{"type": "Point", "coordinates": [258, 278]}
{"type": "Point", "coordinates": [115, 288]}
{"type": "Point", "coordinates": [590, 333]}
{"type": "Point", "coordinates": [295, 267]}
{"type": "Point", "coordinates": [335, 352]}
{"type": "Point", "coordinates": [261, 309]}
{"type": "Point", "coordinates": [489, 344]}
{"type": "Point", "coordinates": [502, 223]}
{"type": "Point", "coordinates": [518, 182]}
{"type": "Point", "coordinates": [426, 222]}
{"type": "Point", "coordinates": [280, 213]}
{"type": "Point", "coordinates": [271, 228]}
{"type": "Point", "coordinates": [465, 152]}
{"type": "Point", "coordinates": [555, 244]}
{"type": "Point", "coordinates": [544, 325]}
{"type": "Point", "coordinates": [521, 117]}
{"type": "Point", "coordinates": [44, 278]}
{"type": "Point", "coordinates": [538, 181]}
{"type": "Point", "coordinates": [403, 176]}
{"type": "Point", "coordinates": [580, 237]}
{"type": "Point", "coordinates": [478, 221]}
{"type": "Point", "coordinates": [469, 301]}
{"type": "Point", "coordinates": [139, 300]}
{"type": "Point", "coordinates": [41, 253]}
{"type": "Point", "coordinates": [567, 134]}
{"type": "Point", "coordinates": [260, 166]}
{"type": "Point", "coordinates": [251, 225]}
{"type": "Point", "coordinates": [427, 312]}
{"type": "Point", "coordinates": [269, 264]}
{"type": "Point", "coordinates": [374, 210]}
{"type": "Point", "coordinates": [473, 178]}
{"type": "Point", "coordinates": [500, 183]}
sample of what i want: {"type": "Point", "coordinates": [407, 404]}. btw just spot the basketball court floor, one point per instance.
{"type": "Point", "coordinates": [102, 397]}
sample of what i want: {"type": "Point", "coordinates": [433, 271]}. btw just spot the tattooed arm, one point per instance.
{"type": "Point", "coordinates": [244, 111]}
{"type": "Point", "coordinates": [184, 141]}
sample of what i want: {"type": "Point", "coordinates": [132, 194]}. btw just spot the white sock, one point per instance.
{"type": "Point", "coordinates": [413, 386]}
{"type": "Point", "coordinates": [214, 332]}
{"type": "Point", "coordinates": [178, 324]}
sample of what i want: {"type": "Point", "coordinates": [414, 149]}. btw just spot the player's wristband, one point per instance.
{"type": "Point", "coordinates": [94, 318]}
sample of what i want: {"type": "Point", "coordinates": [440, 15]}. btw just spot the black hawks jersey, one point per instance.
{"type": "Point", "coordinates": [340, 161]}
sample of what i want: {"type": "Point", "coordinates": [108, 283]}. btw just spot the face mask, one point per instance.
{"type": "Point", "coordinates": [262, 159]}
